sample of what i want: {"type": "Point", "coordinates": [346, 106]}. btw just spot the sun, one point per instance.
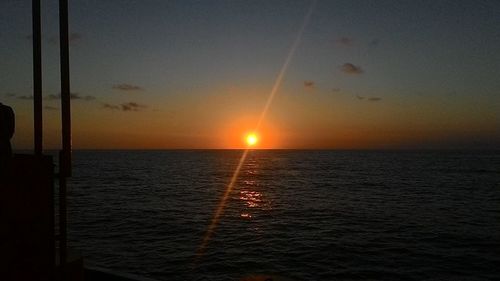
{"type": "Point", "coordinates": [252, 139]}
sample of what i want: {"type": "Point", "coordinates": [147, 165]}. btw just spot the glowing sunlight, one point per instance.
{"type": "Point", "coordinates": [252, 139]}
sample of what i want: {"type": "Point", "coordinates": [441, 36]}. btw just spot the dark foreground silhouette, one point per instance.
{"type": "Point", "coordinates": [7, 126]}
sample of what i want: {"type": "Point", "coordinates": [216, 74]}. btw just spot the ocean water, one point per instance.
{"type": "Point", "coordinates": [295, 215]}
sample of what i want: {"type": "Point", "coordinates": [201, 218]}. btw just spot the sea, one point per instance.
{"type": "Point", "coordinates": [291, 214]}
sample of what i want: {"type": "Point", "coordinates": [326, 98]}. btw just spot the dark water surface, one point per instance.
{"type": "Point", "coordinates": [304, 215]}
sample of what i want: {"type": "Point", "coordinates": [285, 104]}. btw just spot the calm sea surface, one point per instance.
{"type": "Point", "coordinates": [300, 215]}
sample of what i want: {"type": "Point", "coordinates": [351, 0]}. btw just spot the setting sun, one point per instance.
{"type": "Point", "coordinates": [252, 139]}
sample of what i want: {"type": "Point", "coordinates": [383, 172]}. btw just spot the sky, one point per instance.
{"type": "Point", "coordinates": [197, 74]}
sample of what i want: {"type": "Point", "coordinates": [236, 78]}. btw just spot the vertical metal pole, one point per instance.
{"type": "Point", "coordinates": [37, 76]}
{"type": "Point", "coordinates": [65, 89]}
{"type": "Point", "coordinates": [65, 155]}
{"type": "Point", "coordinates": [62, 221]}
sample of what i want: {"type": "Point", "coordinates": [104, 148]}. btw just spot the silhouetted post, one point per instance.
{"type": "Point", "coordinates": [65, 154]}
{"type": "Point", "coordinates": [7, 127]}
{"type": "Point", "coordinates": [37, 76]}
{"type": "Point", "coordinates": [65, 88]}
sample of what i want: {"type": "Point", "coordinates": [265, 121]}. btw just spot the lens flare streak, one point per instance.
{"type": "Point", "coordinates": [222, 203]}
{"type": "Point", "coordinates": [284, 68]}
{"type": "Point", "coordinates": [220, 207]}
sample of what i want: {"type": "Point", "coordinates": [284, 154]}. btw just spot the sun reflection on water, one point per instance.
{"type": "Point", "coordinates": [245, 215]}
{"type": "Point", "coordinates": [251, 198]}
{"type": "Point", "coordinates": [251, 193]}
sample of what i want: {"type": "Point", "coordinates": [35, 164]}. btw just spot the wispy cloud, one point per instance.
{"type": "Point", "coordinates": [128, 106]}
{"type": "Point", "coordinates": [131, 106]}
{"type": "Point", "coordinates": [371, 99]}
{"type": "Point", "coordinates": [345, 41]}
{"type": "Point", "coordinates": [25, 97]}
{"type": "Point", "coordinates": [73, 38]}
{"type": "Point", "coordinates": [74, 96]}
{"type": "Point", "coordinates": [374, 43]}
{"type": "Point", "coordinates": [350, 68]}
{"type": "Point", "coordinates": [308, 84]}
{"type": "Point", "coordinates": [88, 98]}
{"type": "Point", "coordinates": [127, 87]}
{"type": "Point", "coordinates": [110, 106]}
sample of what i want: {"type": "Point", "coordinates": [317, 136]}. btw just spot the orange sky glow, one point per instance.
{"type": "Point", "coordinates": [324, 81]}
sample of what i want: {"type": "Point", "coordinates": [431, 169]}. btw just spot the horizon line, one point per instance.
{"type": "Point", "coordinates": [267, 149]}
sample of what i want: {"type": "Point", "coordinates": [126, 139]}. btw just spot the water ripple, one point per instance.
{"type": "Point", "coordinates": [295, 215]}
